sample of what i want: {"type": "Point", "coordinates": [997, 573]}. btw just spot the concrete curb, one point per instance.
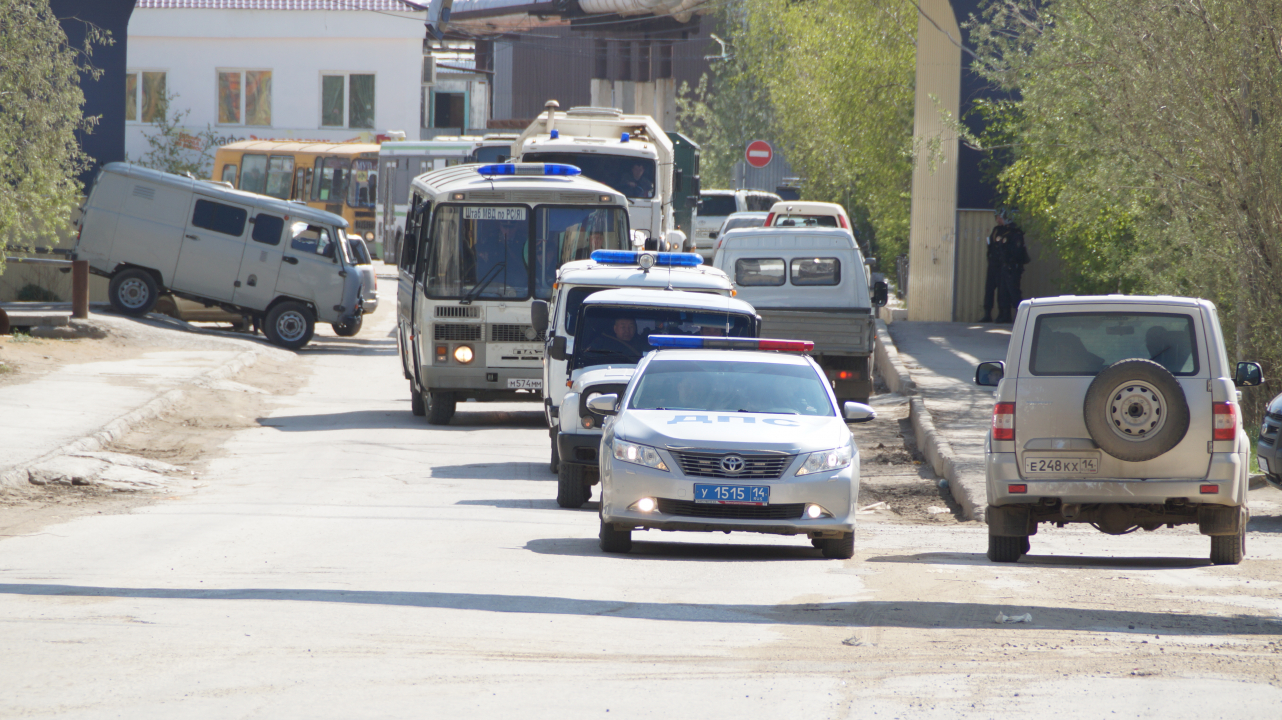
{"type": "Point", "coordinates": [932, 444]}
{"type": "Point", "coordinates": [19, 476]}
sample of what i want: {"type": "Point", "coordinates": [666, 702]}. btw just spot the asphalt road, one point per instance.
{"type": "Point", "coordinates": [344, 559]}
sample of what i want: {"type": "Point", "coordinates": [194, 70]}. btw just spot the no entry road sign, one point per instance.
{"type": "Point", "coordinates": [759, 153]}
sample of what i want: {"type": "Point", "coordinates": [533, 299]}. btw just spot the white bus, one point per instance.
{"type": "Point", "coordinates": [482, 242]}
{"type": "Point", "coordinates": [401, 161]}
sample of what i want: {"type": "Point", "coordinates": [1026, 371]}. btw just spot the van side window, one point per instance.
{"type": "Point", "coordinates": [229, 174]}
{"type": "Point", "coordinates": [254, 177]}
{"type": "Point", "coordinates": [267, 229]}
{"type": "Point", "coordinates": [414, 222]}
{"type": "Point", "coordinates": [225, 219]}
{"type": "Point", "coordinates": [751, 272]}
{"type": "Point", "coordinates": [312, 239]}
{"type": "Point", "coordinates": [816, 271]}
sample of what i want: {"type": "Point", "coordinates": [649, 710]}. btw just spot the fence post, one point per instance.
{"type": "Point", "coordinates": [80, 289]}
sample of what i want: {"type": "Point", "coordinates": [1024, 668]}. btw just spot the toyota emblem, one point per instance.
{"type": "Point", "coordinates": [732, 464]}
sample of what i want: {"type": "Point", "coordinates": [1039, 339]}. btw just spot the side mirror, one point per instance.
{"type": "Point", "coordinates": [871, 262]}
{"type": "Point", "coordinates": [603, 404]}
{"type": "Point", "coordinates": [1248, 374]}
{"type": "Point", "coordinates": [989, 374]}
{"type": "Point", "coordinates": [539, 316]}
{"type": "Point", "coordinates": [880, 293]}
{"type": "Point", "coordinates": [858, 413]}
{"type": "Point", "coordinates": [677, 180]}
{"type": "Point", "coordinates": [558, 348]}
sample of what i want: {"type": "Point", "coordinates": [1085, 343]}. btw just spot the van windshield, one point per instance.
{"type": "Point", "coordinates": [619, 334]}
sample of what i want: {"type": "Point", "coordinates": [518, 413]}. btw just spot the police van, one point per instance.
{"type": "Point", "coordinates": [483, 242]}
{"type": "Point", "coordinates": [281, 263]}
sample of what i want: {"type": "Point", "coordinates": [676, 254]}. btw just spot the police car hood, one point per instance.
{"type": "Point", "coordinates": [742, 432]}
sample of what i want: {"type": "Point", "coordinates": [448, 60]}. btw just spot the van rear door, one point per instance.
{"type": "Point", "coordinates": [213, 244]}
{"type": "Point", "coordinates": [260, 265]}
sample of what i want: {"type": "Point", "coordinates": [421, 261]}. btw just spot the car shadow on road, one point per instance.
{"type": "Point", "coordinates": [514, 503]}
{"type": "Point", "coordinates": [393, 419]}
{"type": "Point", "coordinates": [532, 471]}
{"type": "Point", "coordinates": [1074, 562]}
{"type": "Point", "coordinates": [896, 613]}
{"type": "Point", "coordinates": [661, 550]}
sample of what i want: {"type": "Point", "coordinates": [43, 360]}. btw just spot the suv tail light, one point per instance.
{"type": "Point", "coordinates": [770, 220]}
{"type": "Point", "coordinates": [1004, 421]}
{"type": "Point", "coordinates": [1225, 427]}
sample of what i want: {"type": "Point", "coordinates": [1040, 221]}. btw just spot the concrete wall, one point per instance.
{"type": "Point", "coordinates": [1041, 276]}
{"type": "Point", "coordinates": [932, 235]}
{"type": "Point", "coordinates": [298, 46]}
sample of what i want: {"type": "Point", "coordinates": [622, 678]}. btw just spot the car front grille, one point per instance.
{"type": "Point", "coordinates": [457, 332]}
{"type": "Point", "coordinates": [514, 333]}
{"type": "Point", "coordinates": [686, 508]}
{"type": "Point", "coordinates": [755, 467]}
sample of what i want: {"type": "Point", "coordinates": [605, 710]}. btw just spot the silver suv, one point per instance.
{"type": "Point", "coordinates": [1121, 412]}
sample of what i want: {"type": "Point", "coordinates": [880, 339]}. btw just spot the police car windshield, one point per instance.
{"type": "Point", "coordinates": [731, 386]}
{"type": "Point", "coordinates": [618, 334]}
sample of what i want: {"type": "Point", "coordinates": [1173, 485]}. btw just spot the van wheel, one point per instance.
{"type": "Point", "coordinates": [1228, 549]}
{"type": "Point", "coordinates": [133, 292]}
{"type": "Point", "coordinates": [555, 464]}
{"type": "Point", "coordinates": [1005, 549]}
{"type": "Point", "coordinates": [348, 329]}
{"type": "Point", "coordinates": [842, 548]}
{"type": "Point", "coordinates": [615, 541]}
{"type": "Point", "coordinates": [1135, 410]}
{"type": "Point", "coordinates": [289, 325]}
{"type": "Point", "coordinates": [417, 406]}
{"type": "Point", "coordinates": [572, 488]}
{"type": "Point", "coordinates": [440, 407]}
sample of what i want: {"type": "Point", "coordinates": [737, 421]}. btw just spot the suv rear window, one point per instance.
{"type": "Point", "coordinates": [1086, 343]}
{"type": "Point", "coordinates": [717, 205]}
{"type": "Point", "coordinates": [759, 271]}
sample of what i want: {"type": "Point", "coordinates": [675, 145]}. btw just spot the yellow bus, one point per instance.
{"type": "Point", "coordinates": [341, 178]}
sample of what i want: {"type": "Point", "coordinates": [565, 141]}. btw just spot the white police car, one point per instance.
{"type": "Point", "coordinates": [720, 434]}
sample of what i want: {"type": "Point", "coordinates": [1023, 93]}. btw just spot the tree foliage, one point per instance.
{"type": "Point", "coordinates": [831, 81]}
{"type": "Point", "coordinates": [171, 149]}
{"type": "Point", "coordinates": [40, 114]}
{"type": "Point", "coordinates": [1146, 146]}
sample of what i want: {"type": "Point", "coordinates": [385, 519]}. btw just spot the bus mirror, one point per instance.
{"type": "Point", "coordinates": [558, 348]}
{"type": "Point", "coordinates": [539, 316]}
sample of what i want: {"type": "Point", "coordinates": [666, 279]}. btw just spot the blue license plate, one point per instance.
{"type": "Point", "coordinates": [732, 494]}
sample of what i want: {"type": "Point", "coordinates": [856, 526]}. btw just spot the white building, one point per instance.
{"type": "Point", "coordinates": [329, 70]}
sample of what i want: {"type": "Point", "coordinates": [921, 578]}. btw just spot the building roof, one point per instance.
{"type": "Point", "coordinates": [383, 5]}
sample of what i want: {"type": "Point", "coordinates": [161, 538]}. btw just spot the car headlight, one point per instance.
{"type": "Point", "coordinates": [826, 460]}
{"type": "Point", "coordinates": [638, 455]}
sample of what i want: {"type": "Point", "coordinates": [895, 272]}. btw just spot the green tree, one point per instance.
{"type": "Point", "coordinates": [831, 81]}
{"type": "Point", "coordinates": [1146, 146]}
{"type": "Point", "coordinates": [40, 113]}
{"type": "Point", "coordinates": [172, 149]}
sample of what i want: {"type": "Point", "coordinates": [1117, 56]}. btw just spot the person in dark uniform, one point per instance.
{"type": "Point", "coordinates": [1015, 257]}
{"type": "Point", "coordinates": [992, 279]}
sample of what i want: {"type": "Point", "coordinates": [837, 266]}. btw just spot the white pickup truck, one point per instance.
{"type": "Point", "coordinates": [810, 284]}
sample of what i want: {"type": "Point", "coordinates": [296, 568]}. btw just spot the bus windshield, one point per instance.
{"type": "Point", "coordinates": [633, 176]}
{"type": "Point", "coordinates": [507, 251]}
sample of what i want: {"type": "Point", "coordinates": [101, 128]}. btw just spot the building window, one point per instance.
{"type": "Point", "coordinates": [347, 101]}
{"type": "Point", "coordinates": [448, 112]}
{"type": "Point", "coordinates": [148, 103]}
{"type": "Point", "coordinates": [245, 97]}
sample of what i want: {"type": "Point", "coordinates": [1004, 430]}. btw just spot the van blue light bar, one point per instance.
{"type": "Point", "coordinates": [629, 257]}
{"type": "Point", "coordinates": [529, 169]}
{"type": "Point", "coordinates": [699, 342]}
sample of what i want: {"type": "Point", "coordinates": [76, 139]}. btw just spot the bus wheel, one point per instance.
{"type": "Point", "coordinates": [133, 292]}
{"type": "Point", "coordinates": [417, 406]}
{"type": "Point", "coordinates": [440, 408]}
{"type": "Point", "coordinates": [289, 325]}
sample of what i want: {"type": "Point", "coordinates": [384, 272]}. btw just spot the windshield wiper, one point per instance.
{"type": "Point", "coordinates": [485, 281]}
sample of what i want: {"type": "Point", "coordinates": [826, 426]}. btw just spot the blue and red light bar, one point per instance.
{"type": "Point", "coordinates": [700, 342]}
{"type": "Point", "coordinates": [528, 169]}
{"type": "Point", "coordinates": [630, 257]}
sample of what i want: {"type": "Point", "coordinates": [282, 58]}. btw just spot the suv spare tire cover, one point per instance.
{"type": "Point", "coordinates": [1135, 410]}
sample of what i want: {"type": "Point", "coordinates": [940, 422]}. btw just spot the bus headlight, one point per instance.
{"type": "Point", "coordinates": [463, 354]}
{"type": "Point", "coordinates": [369, 237]}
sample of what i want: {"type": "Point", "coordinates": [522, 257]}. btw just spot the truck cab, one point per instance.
{"type": "Point", "coordinates": [810, 284]}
